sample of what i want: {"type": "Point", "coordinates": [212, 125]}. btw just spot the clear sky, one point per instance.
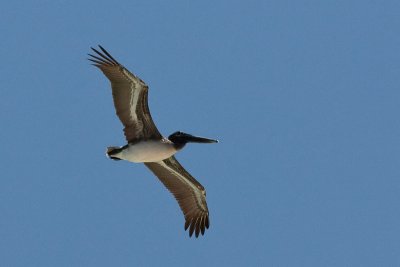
{"type": "Point", "coordinates": [303, 95]}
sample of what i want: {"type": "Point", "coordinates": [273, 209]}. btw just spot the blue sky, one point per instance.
{"type": "Point", "coordinates": [303, 96]}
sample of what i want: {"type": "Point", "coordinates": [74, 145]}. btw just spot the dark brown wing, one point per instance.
{"type": "Point", "coordinates": [189, 193]}
{"type": "Point", "coordinates": [130, 98]}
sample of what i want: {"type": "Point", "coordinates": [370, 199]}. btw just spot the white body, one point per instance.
{"type": "Point", "coordinates": [148, 151]}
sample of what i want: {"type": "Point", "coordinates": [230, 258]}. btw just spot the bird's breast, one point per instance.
{"type": "Point", "coordinates": [148, 151]}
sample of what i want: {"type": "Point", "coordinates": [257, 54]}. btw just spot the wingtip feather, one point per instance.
{"type": "Point", "coordinates": [187, 223]}
{"type": "Point", "coordinates": [191, 229]}
{"type": "Point", "coordinates": [108, 54]}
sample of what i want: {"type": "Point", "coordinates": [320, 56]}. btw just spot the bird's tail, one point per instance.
{"type": "Point", "coordinates": [112, 152]}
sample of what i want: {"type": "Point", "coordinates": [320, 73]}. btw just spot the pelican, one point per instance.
{"type": "Point", "coordinates": [145, 143]}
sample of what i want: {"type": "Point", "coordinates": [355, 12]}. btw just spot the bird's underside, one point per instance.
{"type": "Point", "coordinates": [146, 151]}
{"type": "Point", "coordinates": [130, 100]}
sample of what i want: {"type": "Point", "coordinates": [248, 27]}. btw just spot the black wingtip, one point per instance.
{"type": "Point", "coordinates": [108, 54]}
{"type": "Point", "coordinates": [187, 223]}
{"type": "Point", "coordinates": [203, 229]}
{"type": "Point", "coordinates": [106, 57]}
{"type": "Point", "coordinates": [197, 225]}
{"type": "Point", "coordinates": [191, 229]}
{"type": "Point", "coordinates": [93, 49]}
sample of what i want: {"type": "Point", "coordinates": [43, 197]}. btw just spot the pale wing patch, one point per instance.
{"type": "Point", "coordinates": [133, 109]}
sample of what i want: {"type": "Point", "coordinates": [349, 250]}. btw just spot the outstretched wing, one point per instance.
{"type": "Point", "coordinates": [130, 98]}
{"type": "Point", "coordinates": [189, 193]}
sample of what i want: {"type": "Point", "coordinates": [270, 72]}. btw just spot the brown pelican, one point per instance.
{"type": "Point", "coordinates": [146, 144]}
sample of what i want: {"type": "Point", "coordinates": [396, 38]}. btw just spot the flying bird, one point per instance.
{"type": "Point", "coordinates": [145, 143]}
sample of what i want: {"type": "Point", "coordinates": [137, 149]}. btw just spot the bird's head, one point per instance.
{"type": "Point", "coordinates": [180, 139]}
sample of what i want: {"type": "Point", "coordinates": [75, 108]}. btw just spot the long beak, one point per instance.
{"type": "Point", "coordinates": [198, 139]}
